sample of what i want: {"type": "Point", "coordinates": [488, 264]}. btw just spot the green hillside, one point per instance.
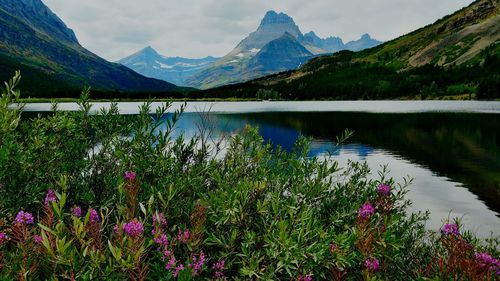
{"type": "Point", "coordinates": [456, 57]}
{"type": "Point", "coordinates": [53, 63]}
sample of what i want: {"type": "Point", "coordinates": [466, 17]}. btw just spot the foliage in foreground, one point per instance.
{"type": "Point", "coordinates": [110, 197]}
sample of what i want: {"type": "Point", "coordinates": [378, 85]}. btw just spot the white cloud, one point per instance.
{"type": "Point", "coordinates": [114, 29]}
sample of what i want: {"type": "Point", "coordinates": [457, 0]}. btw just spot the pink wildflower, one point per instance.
{"type": "Point", "coordinates": [183, 236]}
{"type": "Point", "coordinates": [384, 189]}
{"type": "Point", "coordinates": [171, 263]}
{"type": "Point", "coordinates": [177, 269]}
{"type": "Point", "coordinates": [372, 264]}
{"type": "Point", "coordinates": [485, 261]}
{"type": "Point", "coordinates": [161, 218]}
{"type": "Point", "coordinates": [38, 239]}
{"type": "Point", "coordinates": [50, 197]}
{"type": "Point", "coordinates": [162, 240]}
{"type": "Point", "coordinates": [366, 211]}
{"type": "Point", "coordinates": [134, 228]}
{"type": "Point", "coordinates": [76, 211]}
{"type": "Point", "coordinates": [219, 268]}
{"type": "Point", "coordinates": [130, 176]}
{"type": "Point", "coordinates": [3, 237]}
{"type": "Point", "coordinates": [450, 228]}
{"type": "Point", "coordinates": [24, 218]}
{"type": "Point", "coordinates": [94, 216]}
{"type": "Point", "coordinates": [198, 263]}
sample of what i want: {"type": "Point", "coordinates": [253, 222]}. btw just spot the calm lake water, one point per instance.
{"type": "Point", "coordinates": [451, 149]}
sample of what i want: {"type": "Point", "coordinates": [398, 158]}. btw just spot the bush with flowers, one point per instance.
{"type": "Point", "coordinates": [109, 197]}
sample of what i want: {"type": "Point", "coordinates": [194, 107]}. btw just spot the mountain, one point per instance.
{"type": "Point", "coordinates": [271, 27]}
{"type": "Point", "coordinates": [272, 57]}
{"type": "Point", "coordinates": [365, 42]}
{"type": "Point", "coordinates": [327, 45]}
{"type": "Point", "coordinates": [239, 65]}
{"type": "Point", "coordinates": [171, 69]}
{"type": "Point", "coordinates": [458, 56]}
{"type": "Point", "coordinates": [34, 40]}
{"type": "Point", "coordinates": [332, 44]}
{"type": "Point", "coordinates": [37, 15]}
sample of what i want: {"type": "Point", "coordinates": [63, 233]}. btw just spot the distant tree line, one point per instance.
{"type": "Point", "coordinates": [342, 79]}
{"type": "Point", "coordinates": [337, 77]}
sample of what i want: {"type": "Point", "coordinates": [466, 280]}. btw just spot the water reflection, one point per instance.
{"type": "Point", "coordinates": [454, 158]}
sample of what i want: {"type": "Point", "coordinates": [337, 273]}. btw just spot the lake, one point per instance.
{"type": "Point", "coordinates": [450, 148]}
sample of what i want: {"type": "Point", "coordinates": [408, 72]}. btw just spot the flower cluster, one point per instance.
{"type": "Point", "coordinates": [487, 262]}
{"type": "Point", "coordinates": [76, 211]}
{"type": "Point", "coordinates": [94, 216]}
{"type": "Point", "coordinates": [24, 218]}
{"type": "Point", "coordinates": [372, 264]}
{"type": "Point", "coordinates": [384, 190]}
{"type": "Point", "coordinates": [161, 240]}
{"type": "Point", "coordinates": [178, 269]}
{"type": "Point", "coordinates": [183, 236]}
{"type": "Point", "coordinates": [197, 263]}
{"type": "Point", "coordinates": [161, 218]}
{"type": "Point", "coordinates": [130, 176]}
{"type": "Point", "coordinates": [366, 211]}
{"type": "Point", "coordinates": [219, 268]}
{"type": "Point", "coordinates": [38, 239]}
{"type": "Point", "coordinates": [159, 221]}
{"type": "Point", "coordinates": [450, 228]}
{"type": "Point", "coordinates": [50, 197]}
{"type": "Point", "coordinates": [134, 228]}
{"type": "Point", "coordinates": [172, 261]}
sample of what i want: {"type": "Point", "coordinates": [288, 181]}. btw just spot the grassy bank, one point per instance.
{"type": "Point", "coordinates": [74, 100]}
{"type": "Point", "coordinates": [229, 99]}
{"type": "Point", "coordinates": [111, 197]}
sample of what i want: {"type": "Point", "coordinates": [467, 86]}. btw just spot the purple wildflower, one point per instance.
{"type": "Point", "coordinates": [171, 263]}
{"type": "Point", "coordinates": [38, 239]}
{"type": "Point", "coordinates": [116, 229]}
{"type": "Point", "coordinates": [161, 218]}
{"type": "Point", "coordinates": [134, 228]}
{"type": "Point", "coordinates": [76, 211]}
{"type": "Point", "coordinates": [198, 263]}
{"type": "Point", "coordinates": [307, 277]}
{"type": "Point", "coordinates": [384, 189]}
{"type": "Point", "coordinates": [219, 265]}
{"type": "Point", "coordinates": [219, 268]}
{"type": "Point", "coordinates": [366, 211]}
{"type": "Point", "coordinates": [167, 253]}
{"type": "Point", "coordinates": [162, 240]}
{"type": "Point", "coordinates": [450, 228]}
{"type": "Point", "coordinates": [177, 269]}
{"type": "Point", "coordinates": [130, 176]}
{"type": "Point", "coordinates": [50, 197]}
{"type": "Point", "coordinates": [24, 218]}
{"type": "Point", "coordinates": [94, 216]}
{"type": "Point", "coordinates": [485, 261]}
{"type": "Point", "coordinates": [183, 236]}
{"type": "Point", "coordinates": [3, 237]}
{"type": "Point", "coordinates": [372, 264]}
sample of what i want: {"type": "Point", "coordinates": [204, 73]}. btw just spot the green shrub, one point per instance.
{"type": "Point", "coordinates": [162, 208]}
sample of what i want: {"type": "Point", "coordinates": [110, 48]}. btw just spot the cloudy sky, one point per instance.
{"type": "Point", "coordinates": [114, 29]}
